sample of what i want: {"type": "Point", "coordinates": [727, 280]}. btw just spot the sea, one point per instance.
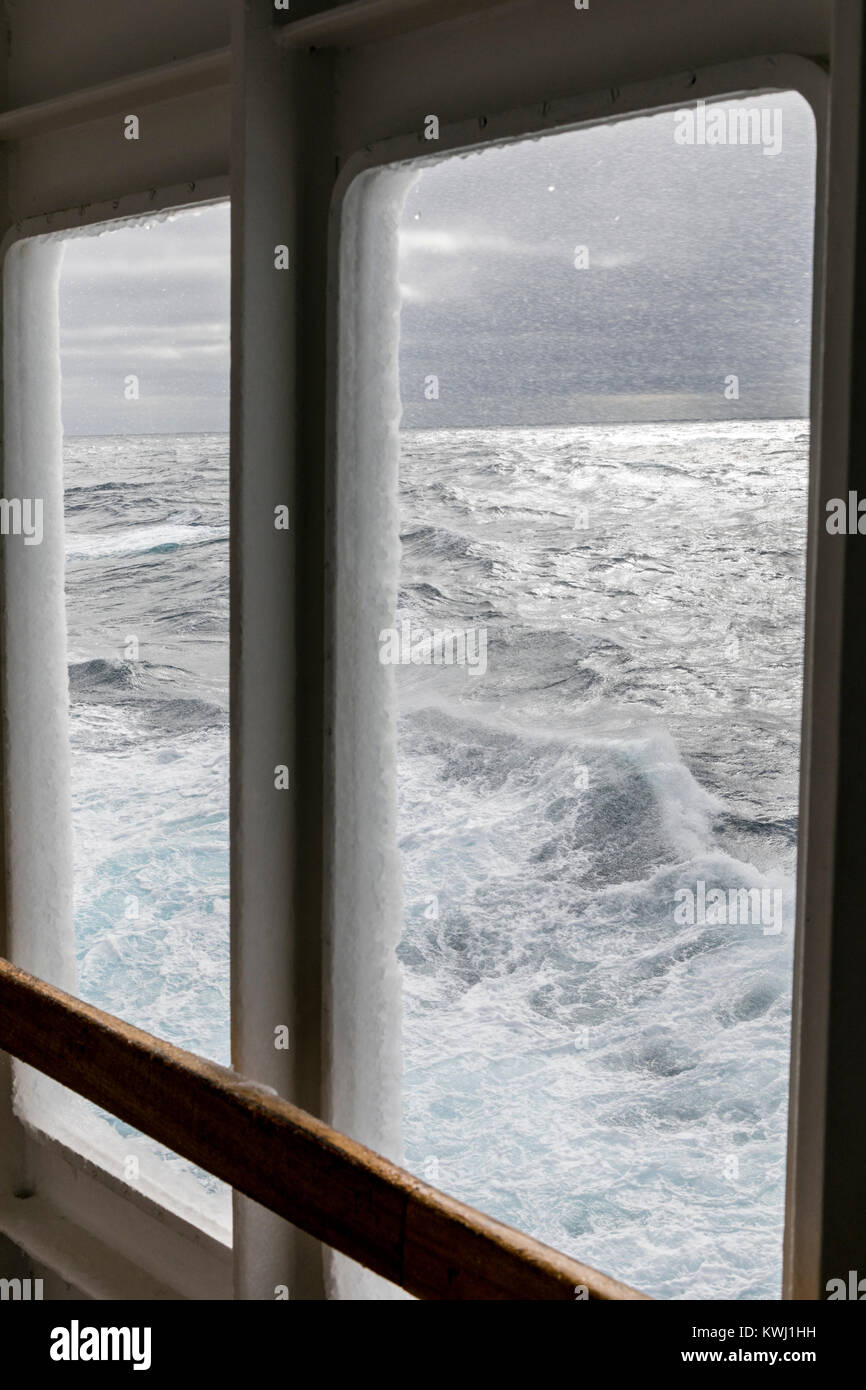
{"type": "Point", "coordinates": [147, 632]}
{"type": "Point", "coordinates": [580, 1059]}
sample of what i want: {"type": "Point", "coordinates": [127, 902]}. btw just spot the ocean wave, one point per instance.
{"type": "Point", "coordinates": [145, 691]}
{"type": "Point", "coordinates": [577, 1058]}
{"type": "Point", "coordinates": [444, 544]}
{"type": "Point", "coordinates": [101, 676]}
{"type": "Point", "coordinates": [142, 540]}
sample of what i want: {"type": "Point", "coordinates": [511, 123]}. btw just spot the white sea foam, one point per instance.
{"type": "Point", "coordinates": [141, 540]}
{"type": "Point", "coordinates": [576, 1062]}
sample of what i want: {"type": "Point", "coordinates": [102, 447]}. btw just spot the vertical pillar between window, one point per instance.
{"type": "Point", "coordinates": [364, 1090]}
{"type": "Point", "coordinates": [38, 802]}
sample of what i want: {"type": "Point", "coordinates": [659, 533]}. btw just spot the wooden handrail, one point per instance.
{"type": "Point", "coordinates": [340, 1192]}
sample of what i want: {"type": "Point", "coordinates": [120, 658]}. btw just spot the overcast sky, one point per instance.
{"type": "Point", "coordinates": [150, 301]}
{"type": "Point", "coordinates": [699, 269]}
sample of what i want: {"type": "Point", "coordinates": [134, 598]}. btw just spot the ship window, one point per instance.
{"type": "Point", "coordinates": [589, 643]}
{"type": "Point", "coordinates": [135, 554]}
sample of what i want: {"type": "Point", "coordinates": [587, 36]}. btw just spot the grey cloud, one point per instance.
{"type": "Point", "coordinates": [699, 268]}
{"type": "Point", "coordinates": [150, 301]}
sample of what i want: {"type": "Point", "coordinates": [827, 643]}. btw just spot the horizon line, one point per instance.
{"type": "Point", "coordinates": [440, 429]}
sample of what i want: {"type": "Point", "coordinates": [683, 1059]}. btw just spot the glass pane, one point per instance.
{"type": "Point", "coordinates": [605, 341]}
{"type": "Point", "coordinates": [145, 359]}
